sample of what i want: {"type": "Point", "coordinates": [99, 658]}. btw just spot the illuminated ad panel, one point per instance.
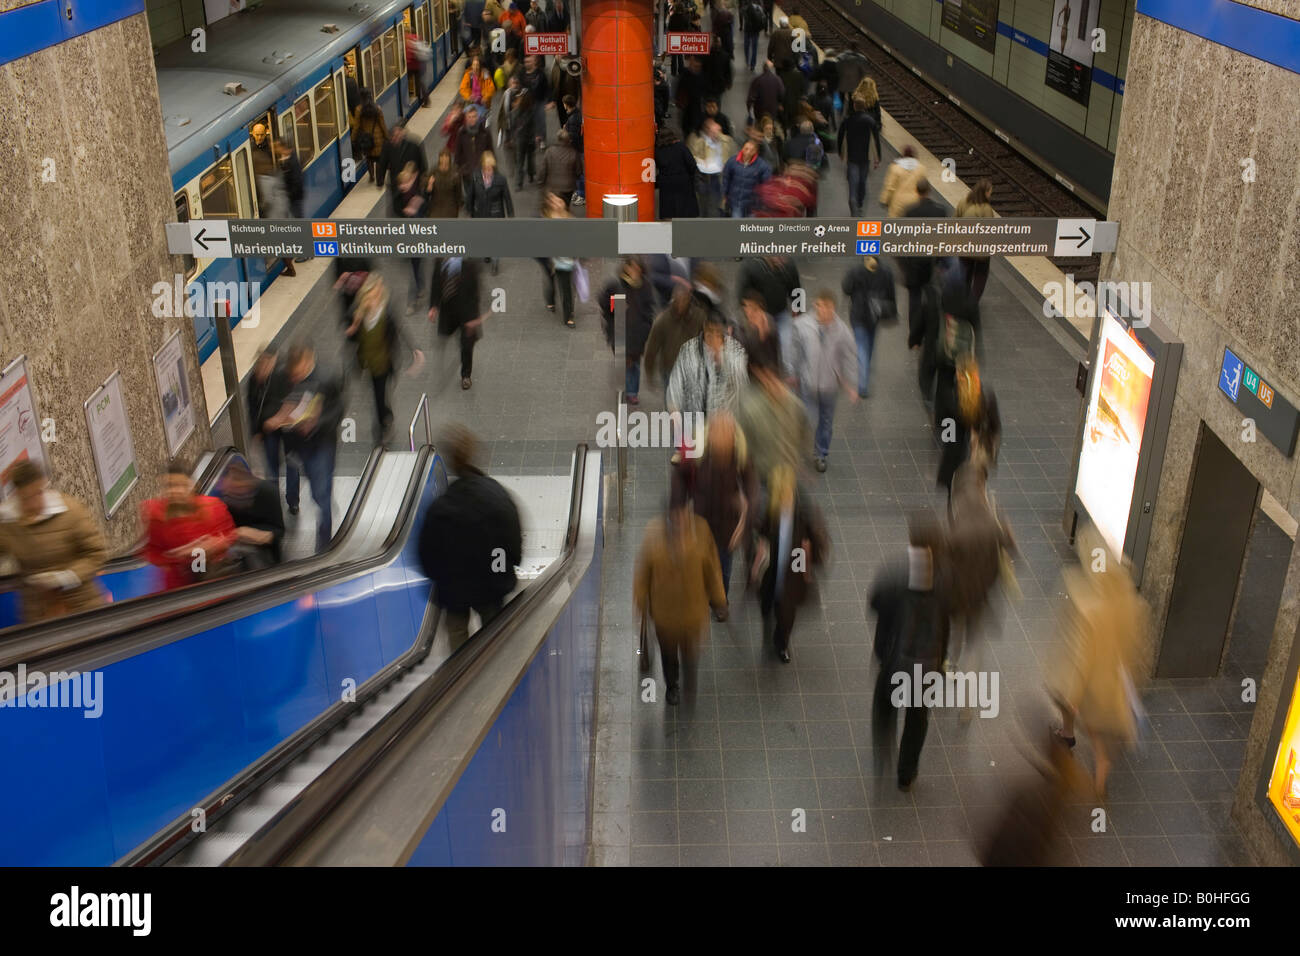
{"type": "Point", "coordinates": [1284, 785]}
{"type": "Point", "coordinates": [1112, 438]}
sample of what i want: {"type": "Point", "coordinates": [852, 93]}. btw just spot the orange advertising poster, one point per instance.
{"type": "Point", "coordinates": [1112, 440]}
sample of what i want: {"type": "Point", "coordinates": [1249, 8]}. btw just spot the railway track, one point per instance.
{"type": "Point", "coordinates": [1019, 187]}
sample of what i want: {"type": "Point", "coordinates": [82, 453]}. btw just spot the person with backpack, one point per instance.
{"type": "Point", "coordinates": [752, 22]}
{"type": "Point", "coordinates": [870, 288]}
{"type": "Point", "coordinates": [959, 399]}
{"type": "Point", "coordinates": [910, 604]}
{"type": "Point", "coordinates": [806, 146]}
{"type": "Point", "coordinates": [976, 205]}
{"type": "Point", "coordinates": [369, 134]}
{"type": "Point", "coordinates": [723, 25]}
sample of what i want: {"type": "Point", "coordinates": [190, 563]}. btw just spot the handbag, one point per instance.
{"type": "Point", "coordinates": [643, 645]}
{"type": "Point", "coordinates": [581, 283]}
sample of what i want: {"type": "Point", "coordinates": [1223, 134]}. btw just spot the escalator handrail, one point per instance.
{"type": "Point", "coordinates": [216, 464]}
{"type": "Point", "coordinates": [177, 834]}
{"type": "Point", "coordinates": [288, 828]}
{"type": "Point", "coordinates": [30, 643]}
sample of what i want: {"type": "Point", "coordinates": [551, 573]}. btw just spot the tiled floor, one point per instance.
{"type": "Point", "coordinates": [723, 784]}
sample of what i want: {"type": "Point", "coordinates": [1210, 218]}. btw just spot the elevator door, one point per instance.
{"type": "Point", "coordinates": [1219, 513]}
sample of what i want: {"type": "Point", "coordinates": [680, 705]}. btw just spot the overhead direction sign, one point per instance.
{"type": "Point", "coordinates": [1074, 237]}
{"type": "Point", "coordinates": [546, 44]}
{"type": "Point", "coordinates": [690, 44]}
{"type": "Point", "coordinates": [210, 238]}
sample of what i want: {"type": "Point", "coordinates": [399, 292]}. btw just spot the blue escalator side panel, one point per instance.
{"type": "Point", "coordinates": [118, 586]}
{"type": "Point", "coordinates": [173, 730]}
{"type": "Point", "coordinates": [531, 773]}
{"type": "Point", "coordinates": [54, 805]}
{"type": "Point", "coordinates": [181, 719]}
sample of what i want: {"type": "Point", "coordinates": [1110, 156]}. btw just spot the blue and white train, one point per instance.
{"type": "Point", "coordinates": [290, 65]}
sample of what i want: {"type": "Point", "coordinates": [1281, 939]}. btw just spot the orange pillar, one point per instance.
{"type": "Point", "coordinates": [618, 102]}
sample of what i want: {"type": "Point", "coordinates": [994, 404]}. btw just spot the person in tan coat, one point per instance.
{"type": "Point", "coordinates": [899, 191]}
{"type": "Point", "coordinates": [1093, 681]}
{"type": "Point", "coordinates": [677, 578]}
{"type": "Point", "coordinates": [978, 204]}
{"type": "Point", "coordinates": [58, 547]}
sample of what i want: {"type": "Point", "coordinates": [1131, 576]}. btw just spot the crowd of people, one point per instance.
{"type": "Point", "coordinates": [762, 371]}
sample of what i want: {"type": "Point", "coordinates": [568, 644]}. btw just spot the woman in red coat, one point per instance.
{"type": "Point", "coordinates": [180, 523]}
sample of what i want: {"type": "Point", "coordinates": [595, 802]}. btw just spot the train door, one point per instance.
{"type": "Point", "coordinates": [399, 61]}
{"type": "Point", "coordinates": [422, 32]}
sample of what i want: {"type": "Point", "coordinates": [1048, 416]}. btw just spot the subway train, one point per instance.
{"type": "Point", "coordinates": [284, 68]}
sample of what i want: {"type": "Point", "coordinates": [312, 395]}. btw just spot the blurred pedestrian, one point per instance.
{"type": "Point", "coordinates": [254, 507]}
{"type": "Point", "coordinates": [186, 534]}
{"type": "Point", "coordinates": [1094, 681]}
{"type": "Point", "coordinates": [401, 149]}
{"type": "Point", "coordinates": [369, 133]}
{"type": "Point", "coordinates": [489, 196]}
{"type": "Point", "coordinates": [752, 23]}
{"type": "Point", "coordinates": [775, 423]}
{"type": "Point", "coordinates": [775, 278]}
{"type": "Point", "coordinates": [268, 386]}
{"type": "Point", "coordinates": [676, 172]}
{"type": "Point", "coordinates": [870, 288]}
{"type": "Point", "coordinates": [675, 326]}
{"type": "Point", "coordinates": [472, 142]}
{"type": "Point", "coordinates": [723, 485]}
{"type": "Point", "coordinates": [476, 84]}
{"type": "Point", "coordinates": [911, 639]}
{"type": "Point", "coordinates": [871, 100]}
{"type": "Point", "coordinates": [709, 372]}
{"type": "Point", "coordinates": [638, 306]}
{"type": "Point", "coordinates": [381, 345]}
{"type": "Point", "coordinates": [558, 172]}
{"type": "Point", "coordinates": [898, 192]}
{"type": "Point", "coordinates": [741, 177]}
{"type": "Point", "coordinates": [471, 540]}
{"type": "Point", "coordinates": [976, 205]}
{"type": "Point", "coordinates": [56, 544]}
{"type": "Point", "coordinates": [792, 541]}
{"type": "Point", "coordinates": [758, 335]}
{"type": "Point", "coordinates": [855, 148]}
{"type": "Point", "coordinates": [309, 420]}
{"type": "Point", "coordinates": [455, 304]}
{"type": "Point", "coordinates": [412, 204]}
{"type": "Point", "coordinates": [677, 579]}
{"type": "Point", "coordinates": [562, 268]}
{"type": "Point", "coordinates": [443, 189]}
{"type": "Point", "coordinates": [824, 360]}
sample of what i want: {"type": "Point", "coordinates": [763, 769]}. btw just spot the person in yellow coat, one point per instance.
{"type": "Point", "coordinates": [1094, 679]}
{"type": "Point", "coordinates": [476, 85]}
{"type": "Point", "coordinates": [677, 578]}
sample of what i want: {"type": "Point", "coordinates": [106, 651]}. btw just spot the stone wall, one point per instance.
{"type": "Point", "coordinates": [81, 253]}
{"type": "Point", "coordinates": [1224, 259]}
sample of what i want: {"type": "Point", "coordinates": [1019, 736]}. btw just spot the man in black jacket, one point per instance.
{"type": "Point", "coordinates": [856, 133]}
{"type": "Point", "coordinates": [267, 389]}
{"type": "Point", "coordinates": [471, 540]}
{"type": "Point", "coordinates": [310, 419]}
{"type": "Point", "coordinates": [911, 639]}
{"type": "Point", "coordinates": [454, 304]}
{"type": "Point", "coordinates": [775, 278]}
{"type": "Point", "coordinates": [922, 298]}
{"type": "Point", "coordinates": [401, 148]}
{"type": "Point", "coordinates": [254, 506]}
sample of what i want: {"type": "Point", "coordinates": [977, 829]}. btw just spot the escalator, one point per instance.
{"type": "Point", "coordinates": [233, 727]}
{"type": "Point", "coordinates": [194, 685]}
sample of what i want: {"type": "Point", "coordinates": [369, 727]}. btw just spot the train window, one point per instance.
{"type": "Point", "coordinates": [183, 215]}
{"type": "Point", "coordinates": [245, 180]}
{"type": "Point", "coordinates": [303, 128]}
{"type": "Point", "coordinates": [217, 194]}
{"type": "Point", "coordinates": [367, 71]}
{"type": "Point", "coordinates": [390, 56]}
{"type": "Point", "coordinates": [327, 116]}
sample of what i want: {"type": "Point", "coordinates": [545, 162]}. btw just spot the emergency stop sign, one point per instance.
{"type": "Point", "coordinates": [690, 44]}
{"type": "Point", "coordinates": [546, 44]}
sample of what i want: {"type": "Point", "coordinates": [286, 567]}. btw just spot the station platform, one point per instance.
{"type": "Point", "coordinates": [718, 786]}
